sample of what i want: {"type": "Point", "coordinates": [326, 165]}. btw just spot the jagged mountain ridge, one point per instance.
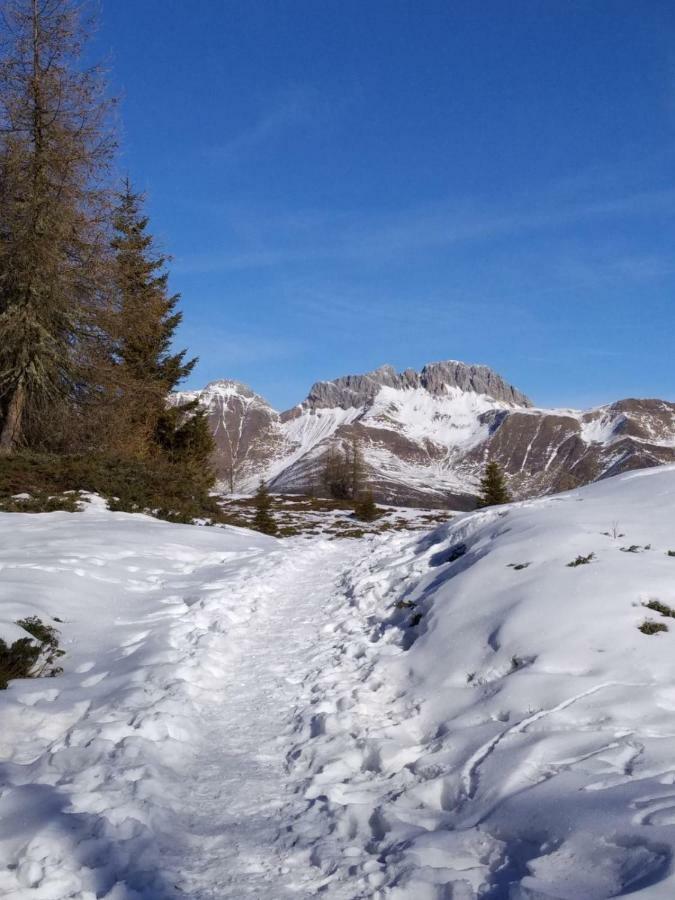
{"type": "Point", "coordinates": [425, 435]}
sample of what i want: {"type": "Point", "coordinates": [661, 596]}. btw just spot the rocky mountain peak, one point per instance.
{"type": "Point", "coordinates": [355, 391]}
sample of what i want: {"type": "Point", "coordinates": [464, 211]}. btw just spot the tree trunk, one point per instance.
{"type": "Point", "coordinates": [11, 428]}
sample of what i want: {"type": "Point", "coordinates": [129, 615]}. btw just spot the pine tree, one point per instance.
{"type": "Point", "coordinates": [264, 520]}
{"type": "Point", "coordinates": [493, 490]}
{"type": "Point", "coordinates": [143, 325]}
{"type": "Point", "coordinates": [55, 148]}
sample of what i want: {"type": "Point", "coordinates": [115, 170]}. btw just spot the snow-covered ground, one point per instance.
{"type": "Point", "coordinates": [444, 716]}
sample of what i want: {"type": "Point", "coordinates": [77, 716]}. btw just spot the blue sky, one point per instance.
{"type": "Point", "coordinates": [344, 183]}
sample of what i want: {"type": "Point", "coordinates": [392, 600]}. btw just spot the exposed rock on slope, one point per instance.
{"type": "Point", "coordinates": [436, 378]}
{"type": "Point", "coordinates": [247, 430]}
{"type": "Point", "coordinates": [425, 435]}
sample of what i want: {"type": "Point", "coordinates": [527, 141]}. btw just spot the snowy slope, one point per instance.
{"type": "Point", "coordinates": [92, 761]}
{"type": "Point", "coordinates": [518, 740]}
{"type": "Point", "coordinates": [396, 717]}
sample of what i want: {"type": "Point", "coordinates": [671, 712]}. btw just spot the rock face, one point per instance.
{"type": "Point", "coordinates": [436, 378]}
{"type": "Point", "coordinates": [247, 430]}
{"type": "Point", "coordinates": [425, 435]}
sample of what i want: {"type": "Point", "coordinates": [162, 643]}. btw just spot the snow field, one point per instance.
{"type": "Point", "coordinates": [92, 761]}
{"type": "Point", "coordinates": [451, 716]}
{"type": "Point", "coordinates": [519, 740]}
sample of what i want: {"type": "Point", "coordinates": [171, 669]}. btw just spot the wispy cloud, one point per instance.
{"type": "Point", "coordinates": [294, 108]}
{"type": "Point", "coordinates": [234, 348]}
{"type": "Point", "coordinates": [267, 240]}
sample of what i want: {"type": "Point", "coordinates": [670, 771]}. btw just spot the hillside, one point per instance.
{"type": "Point", "coordinates": [511, 734]}
{"type": "Point", "coordinates": [425, 435]}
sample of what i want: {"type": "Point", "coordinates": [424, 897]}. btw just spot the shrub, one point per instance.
{"type": "Point", "coordinates": [41, 502]}
{"type": "Point", "coordinates": [662, 608]}
{"type": "Point", "coordinates": [581, 560]}
{"type": "Point", "coordinates": [365, 509]}
{"type": "Point", "coordinates": [649, 627]}
{"type": "Point", "coordinates": [32, 657]}
{"type": "Point", "coordinates": [17, 660]}
{"type": "Point", "coordinates": [168, 490]}
{"type": "Point", "coordinates": [518, 566]}
{"type": "Point", "coordinates": [670, 553]}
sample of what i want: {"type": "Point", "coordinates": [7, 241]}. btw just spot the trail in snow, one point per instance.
{"type": "Point", "coordinates": [239, 796]}
{"type": "Point", "coordinates": [245, 718]}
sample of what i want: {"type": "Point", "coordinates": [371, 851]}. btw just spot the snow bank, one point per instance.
{"type": "Point", "coordinates": [91, 760]}
{"type": "Point", "coordinates": [497, 725]}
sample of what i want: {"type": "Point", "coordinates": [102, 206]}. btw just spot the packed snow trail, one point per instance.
{"type": "Point", "coordinates": [239, 797]}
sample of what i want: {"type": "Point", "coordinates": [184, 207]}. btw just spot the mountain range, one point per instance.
{"type": "Point", "coordinates": [425, 435]}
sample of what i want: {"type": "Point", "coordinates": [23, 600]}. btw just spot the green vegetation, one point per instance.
{"type": "Point", "coordinates": [31, 657]}
{"type": "Point", "coordinates": [649, 627]}
{"type": "Point", "coordinates": [156, 486]}
{"type": "Point", "coordinates": [581, 560]}
{"type": "Point", "coordinates": [365, 508]}
{"type": "Point", "coordinates": [263, 520]}
{"type": "Point", "coordinates": [86, 316]}
{"type": "Point", "coordinates": [493, 489]}
{"type": "Point", "coordinates": [661, 608]}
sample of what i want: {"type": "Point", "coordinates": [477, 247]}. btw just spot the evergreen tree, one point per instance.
{"type": "Point", "coordinates": [365, 508]}
{"type": "Point", "coordinates": [55, 148]}
{"type": "Point", "coordinates": [493, 489]}
{"type": "Point", "coordinates": [145, 318]}
{"type": "Point", "coordinates": [264, 520]}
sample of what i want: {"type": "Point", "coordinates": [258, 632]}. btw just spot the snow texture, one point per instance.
{"type": "Point", "coordinates": [453, 716]}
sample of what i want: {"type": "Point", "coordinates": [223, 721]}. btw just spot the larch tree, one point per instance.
{"type": "Point", "coordinates": [55, 150]}
{"type": "Point", "coordinates": [356, 467]}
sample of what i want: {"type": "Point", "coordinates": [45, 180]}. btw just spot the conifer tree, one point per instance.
{"type": "Point", "coordinates": [365, 509]}
{"type": "Point", "coordinates": [493, 489]}
{"type": "Point", "coordinates": [55, 148]}
{"type": "Point", "coordinates": [264, 520]}
{"type": "Point", "coordinates": [145, 319]}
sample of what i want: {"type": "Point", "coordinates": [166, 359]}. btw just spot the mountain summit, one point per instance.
{"type": "Point", "coordinates": [425, 435]}
{"type": "Point", "coordinates": [437, 378]}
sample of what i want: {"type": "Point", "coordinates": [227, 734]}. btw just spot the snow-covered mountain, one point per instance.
{"type": "Point", "coordinates": [425, 435]}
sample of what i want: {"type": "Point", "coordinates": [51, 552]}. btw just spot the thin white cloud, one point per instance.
{"type": "Point", "coordinates": [294, 108]}
{"type": "Point", "coordinates": [369, 237]}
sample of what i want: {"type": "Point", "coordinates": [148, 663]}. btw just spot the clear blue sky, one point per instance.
{"type": "Point", "coordinates": [344, 183]}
